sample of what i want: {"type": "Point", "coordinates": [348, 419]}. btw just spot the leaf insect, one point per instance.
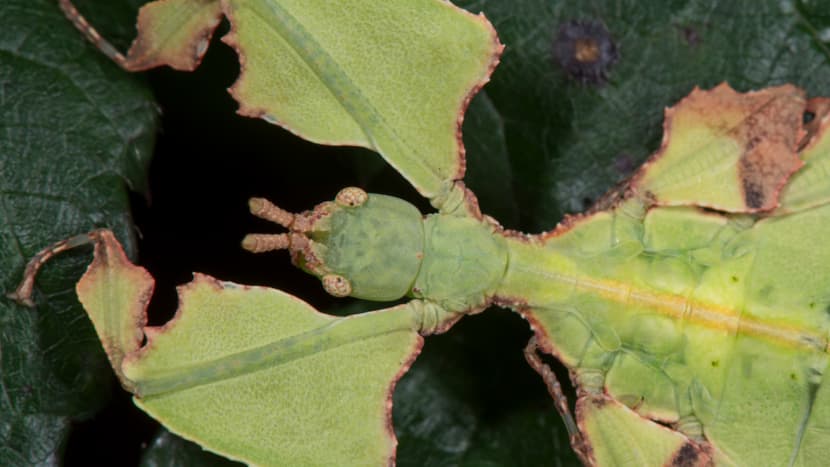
{"type": "Point", "coordinates": [688, 304]}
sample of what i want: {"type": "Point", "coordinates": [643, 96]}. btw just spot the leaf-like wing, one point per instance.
{"type": "Point", "coordinates": [253, 373]}
{"type": "Point", "coordinates": [726, 150]}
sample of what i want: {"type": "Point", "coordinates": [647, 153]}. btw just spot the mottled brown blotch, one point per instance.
{"type": "Point", "coordinates": [770, 137]}
{"type": "Point", "coordinates": [585, 51]}
{"type": "Point", "coordinates": [690, 455]}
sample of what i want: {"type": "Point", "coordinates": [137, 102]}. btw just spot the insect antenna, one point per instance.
{"type": "Point", "coordinates": [267, 210]}
{"type": "Point", "coordinates": [261, 243]}
{"type": "Point", "coordinates": [559, 399]}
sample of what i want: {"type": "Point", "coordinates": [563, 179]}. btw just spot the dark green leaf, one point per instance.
{"type": "Point", "coordinates": [75, 133]}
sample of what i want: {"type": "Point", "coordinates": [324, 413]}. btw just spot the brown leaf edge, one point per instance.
{"type": "Point", "coordinates": [690, 454]}
{"type": "Point", "coordinates": [108, 256]}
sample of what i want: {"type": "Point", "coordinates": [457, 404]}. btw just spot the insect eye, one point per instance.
{"type": "Point", "coordinates": [336, 285]}
{"type": "Point", "coordinates": [351, 197]}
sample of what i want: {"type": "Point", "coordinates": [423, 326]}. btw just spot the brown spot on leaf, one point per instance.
{"type": "Point", "coordinates": [686, 456]}
{"type": "Point", "coordinates": [690, 455]}
{"type": "Point", "coordinates": [585, 50]}
{"type": "Point", "coordinates": [757, 136]}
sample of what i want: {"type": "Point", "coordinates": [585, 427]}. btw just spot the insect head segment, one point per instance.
{"type": "Point", "coordinates": [360, 245]}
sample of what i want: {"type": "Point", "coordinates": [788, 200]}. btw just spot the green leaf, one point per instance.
{"type": "Point", "coordinates": [75, 133]}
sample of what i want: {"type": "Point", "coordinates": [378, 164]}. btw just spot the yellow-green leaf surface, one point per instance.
{"type": "Point", "coordinates": [393, 76]}
{"type": "Point", "coordinates": [253, 373]}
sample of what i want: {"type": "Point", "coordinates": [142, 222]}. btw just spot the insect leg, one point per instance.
{"type": "Point", "coordinates": [559, 398]}
{"type": "Point", "coordinates": [91, 34]}
{"type": "Point", "coordinates": [23, 293]}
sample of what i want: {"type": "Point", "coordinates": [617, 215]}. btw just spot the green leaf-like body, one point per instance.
{"type": "Point", "coordinates": [711, 321]}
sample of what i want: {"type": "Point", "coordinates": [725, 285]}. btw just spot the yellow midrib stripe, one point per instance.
{"type": "Point", "coordinates": [705, 314]}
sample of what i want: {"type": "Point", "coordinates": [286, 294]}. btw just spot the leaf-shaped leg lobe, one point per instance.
{"type": "Point", "coordinates": [113, 283]}
{"type": "Point", "coordinates": [175, 33]}
{"type": "Point", "coordinates": [256, 374]}
{"type": "Point", "coordinates": [366, 74]}
{"type": "Point", "coordinates": [361, 74]}
{"type": "Point", "coordinates": [110, 283]}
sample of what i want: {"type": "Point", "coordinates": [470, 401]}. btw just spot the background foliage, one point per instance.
{"type": "Point", "coordinates": [77, 141]}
